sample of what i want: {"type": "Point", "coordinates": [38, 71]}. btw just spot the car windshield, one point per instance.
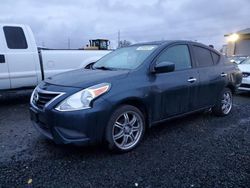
{"type": "Point", "coordinates": [125, 58]}
{"type": "Point", "coordinates": [247, 61]}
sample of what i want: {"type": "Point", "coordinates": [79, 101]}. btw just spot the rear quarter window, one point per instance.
{"type": "Point", "coordinates": [15, 37]}
{"type": "Point", "coordinates": [203, 56]}
{"type": "Point", "coordinates": [216, 57]}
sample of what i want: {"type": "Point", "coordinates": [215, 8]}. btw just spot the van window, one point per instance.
{"type": "Point", "coordinates": [178, 54]}
{"type": "Point", "coordinates": [203, 56]}
{"type": "Point", "coordinates": [15, 37]}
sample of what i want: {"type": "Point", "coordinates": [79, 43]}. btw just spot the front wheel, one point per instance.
{"type": "Point", "coordinates": [224, 104]}
{"type": "Point", "coordinates": [125, 129]}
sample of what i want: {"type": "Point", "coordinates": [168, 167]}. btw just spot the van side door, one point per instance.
{"type": "Point", "coordinates": [20, 56]}
{"type": "Point", "coordinates": [4, 70]}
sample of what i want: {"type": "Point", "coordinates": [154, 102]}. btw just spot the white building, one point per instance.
{"type": "Point", "coordinates": [238, 43]}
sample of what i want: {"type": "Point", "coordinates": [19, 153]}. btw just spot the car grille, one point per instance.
{"type": "Point", "coordinates": [40, 98]}
{"type": "Point", "coordinates": [245, 74]}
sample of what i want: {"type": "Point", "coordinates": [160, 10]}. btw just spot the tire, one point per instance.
{"type": "Point", "coordinates": [125, 129]}
{"type": "Point", "coordinates": [224, 103]}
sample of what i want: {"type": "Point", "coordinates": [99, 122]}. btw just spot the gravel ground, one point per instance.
{"type": "Point", "coordinates": [196, 151]}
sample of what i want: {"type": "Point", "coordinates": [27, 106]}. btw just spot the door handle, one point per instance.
{"type": "Point", "coordinates": [2, 58]}
{"type": "Point", "coordinates": [223, 74]}
{"type": "Point", "coordinates": [192, 80]}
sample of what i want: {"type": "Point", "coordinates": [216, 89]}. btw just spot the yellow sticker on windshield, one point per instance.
{"type": "Point", "coordinates": [147, 47]}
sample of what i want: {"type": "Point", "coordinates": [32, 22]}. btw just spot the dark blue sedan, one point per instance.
{"type": "Point", "coordinates": [119, 97]}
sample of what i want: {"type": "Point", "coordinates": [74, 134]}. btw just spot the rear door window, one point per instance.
{"type": "Point", "coordinates": [15, 37]}
{"type": "Point", "coordinates": [203, 56]}
{"type": "Point", "coordinates": [179, 55]}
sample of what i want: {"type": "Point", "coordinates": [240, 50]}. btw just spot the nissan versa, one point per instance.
{"type": "Point", "coordinates": [131, 89]}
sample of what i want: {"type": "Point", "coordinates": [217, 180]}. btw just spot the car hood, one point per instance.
{"type": "Point", "coordinates": [83, 78]}
{"type": "Point", "coordinates": [244, 67]}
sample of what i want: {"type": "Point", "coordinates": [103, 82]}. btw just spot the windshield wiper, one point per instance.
{"type": "Point", "coordinates": [104, 68]}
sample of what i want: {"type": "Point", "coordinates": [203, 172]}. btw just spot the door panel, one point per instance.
{"type": "Point", "coordinates": [208, 89]}
{"type": "Point", "coordinates": [20, 57]}
{"type": "Point", "coordinates": [175, 93]}
{"type": "Point", "coordinates": [176, 90]}
{"type": "Point", "coordinates": [212, 84]}
{"type": "Point", "coordinates": [209, 75]}
{"type": "Point", "coordinates": [4, 74]}
{"type": "Point", "coordinates": [4, 71]}
{"type": "Point", "coordinates": [22, 69]}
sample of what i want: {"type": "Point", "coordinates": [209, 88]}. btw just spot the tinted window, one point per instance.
{"type": "Point", "coordinates": [179, 55]}
{"type": "Point", "coordinates": [203, 56]}
{"type": "Point", "coordinates": [15, 38]}
{"type": "Point", "coordinates": [216, 57]}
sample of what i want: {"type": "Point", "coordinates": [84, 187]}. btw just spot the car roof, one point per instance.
{"type": "Point", "coordinates": [165, 42]}
{"type": "Point", "coordinates": [151, 43]}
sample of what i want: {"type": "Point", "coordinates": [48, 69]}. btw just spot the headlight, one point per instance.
{"type": "Point", "coordinates": [82, 99]}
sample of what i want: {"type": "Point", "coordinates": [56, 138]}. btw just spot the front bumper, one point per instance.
{"type": "Point", "coordinates": [245, 85]}
{"type": "Point", "coordinates": [75, 127]}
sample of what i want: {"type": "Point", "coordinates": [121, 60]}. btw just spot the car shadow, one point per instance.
{"type": "Point", "coordinates": [70, 151]}
{"type": "Point", "coordinates": [101, 150]}
{"type": "Point", "coordinates": [180, 122]}
{"type": "Point", "coordinates": [19, 97]}
{"type": "Point", "coordinates": [243, 93]}
{"type": "Point", "coordinates": [64, 151]}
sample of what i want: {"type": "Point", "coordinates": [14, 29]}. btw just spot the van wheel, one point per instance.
{"type": "Point", "coordinates": [125, 129]}
{"type": "Point", "coordinates": [224, 104]}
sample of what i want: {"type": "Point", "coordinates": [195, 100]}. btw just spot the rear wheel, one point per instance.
{"type": "Point", "coordinates": [125, 129]}
{"type": "Point", "coordinates": [224, 104]}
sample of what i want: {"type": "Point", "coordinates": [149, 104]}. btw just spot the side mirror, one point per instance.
{"type": "Point", "coordinates": [89, 66]}
{"type": "Point", "coordinates": [164, 67]}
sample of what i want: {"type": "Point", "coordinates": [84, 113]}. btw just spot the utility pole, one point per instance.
{"type": "Point", "coordinates": [119, 39]}
{"type": "Point", "coordinates": [68, 43]}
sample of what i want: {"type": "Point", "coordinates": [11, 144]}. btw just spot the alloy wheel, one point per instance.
{"type": "Point", "coordinates": [127, 130]}
{"type": "Point", "coordinates": [227, 103]}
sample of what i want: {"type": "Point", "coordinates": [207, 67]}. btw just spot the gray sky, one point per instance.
{"type": "Point", "coordinates": [54, 21]}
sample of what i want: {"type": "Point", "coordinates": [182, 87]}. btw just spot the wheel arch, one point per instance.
{"type": "Point", "coordinates": [138, 103]}
{"type": "Point", "coordinates": [231, 87]}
